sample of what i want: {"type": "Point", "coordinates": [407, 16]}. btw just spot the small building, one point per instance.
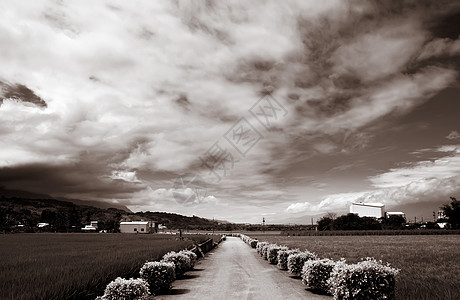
{"type": "Point", "coordinates": [138, 227]}
{"type": "Point", "coordinates": [375, 210]}
{"type": "Point", "coordinates": [91, 227]}
{"type": "Point", "coordinates": [395, 213]}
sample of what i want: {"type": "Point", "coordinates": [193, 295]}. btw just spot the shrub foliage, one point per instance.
{"type": "Point", "coordinates": [283, 257]}
{"type": "Point", "coordinates": [368, 279]}
{"type": "Point", "coordinates": [316, 273]}
{"type": "Point", "coordinates": [159, 275]}
{"type": "Point", "coordinates": [272, 253]}
{"type": "Point", "coordinates": [180, 260]}
{"type": "Point", "coordinates": [297, 260]}
{"type": "Point", "coordinates": [126, 289]}
{"type": "Point", "coordinates": [193, 257]}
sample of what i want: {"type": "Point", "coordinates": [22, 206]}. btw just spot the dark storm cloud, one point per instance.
{"type": "Point", "coordinates": [19, 92]}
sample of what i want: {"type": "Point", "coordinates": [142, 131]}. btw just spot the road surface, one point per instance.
{"type": "Point", "coordinates": [235, 271]}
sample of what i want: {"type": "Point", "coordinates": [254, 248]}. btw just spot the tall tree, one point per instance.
{"type": "Point", "coordinates": [452, 212]}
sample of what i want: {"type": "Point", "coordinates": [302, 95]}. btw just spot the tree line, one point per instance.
{"type": "Point", "coordinates": [354, 222]}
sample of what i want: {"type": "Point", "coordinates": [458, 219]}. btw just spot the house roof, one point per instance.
{"type": "Point", "coordinates": [134, 223]}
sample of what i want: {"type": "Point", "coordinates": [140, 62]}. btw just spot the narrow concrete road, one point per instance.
{"type": "Point", "coordinates": [235, 271]}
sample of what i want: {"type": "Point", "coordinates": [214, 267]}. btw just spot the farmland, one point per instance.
{"type": "Point", "coordinates": [76, 266]}
{"type": "Point", "coordinates": [429, 264]}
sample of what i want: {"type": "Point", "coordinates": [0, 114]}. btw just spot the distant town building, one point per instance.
{"type": "Point", "coordinates": [441, 214]}
{"type": "Point", "coordinates": [375, 210]}
{"type": "Point", "coordinates": [91, 227]}
{"type": "Point", "coordinates": [395, 213]}
{"type": "Point", "coordinates": [138, 227]}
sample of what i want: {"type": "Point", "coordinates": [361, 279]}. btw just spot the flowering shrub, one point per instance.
{"type": "Point", "coordinates": [126, 289]}
{"type": "Point", "coordinates": [368, 279]}
{"type": "Point", "coordinates": [159, 275]}
{"type": "Point", "coordinates": [264, 250]}
{"type": "Point", "coordinates": [259, 247]}
{"type": "Point", "coordinates": [316, 273]}
{"type": "Point", "coordinates": [272, 253]}
{"type": "Point", "coordinates": [180, 260]}
{"type": "Point", "coordinates": [248, 240]}
{"type": "Point", "coordinates": [283, 257]}
{"type": "Point", "coordinates": [193, 257]}
{"type": "Point", "coordinates": [297, 260]}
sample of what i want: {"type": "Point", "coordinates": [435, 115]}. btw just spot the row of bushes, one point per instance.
{"type": "Point", "coordinates": [154, 276]}
{"type": "Point", "coordinates": [368, 279]}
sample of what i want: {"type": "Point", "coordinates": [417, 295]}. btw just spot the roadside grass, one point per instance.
{"type": "Point", "coordinates": [76, 266]}
{"type": "Point", "coordinates": [430, 264]}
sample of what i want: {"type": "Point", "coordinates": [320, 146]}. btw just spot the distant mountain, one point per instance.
{"type": "Point", "coordinates": [98, 204]}
{"type": "Point", "coordinates": [66, 216]}
{"type": "Point", "coordinates": [172, 220]}
{"type": "Point", "coordinates": [29, 195]}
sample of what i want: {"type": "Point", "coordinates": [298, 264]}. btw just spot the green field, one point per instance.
{"type": "Point", "coordinates": [76, 266]}
{"type": "Point", "coordinates": [430, 264]}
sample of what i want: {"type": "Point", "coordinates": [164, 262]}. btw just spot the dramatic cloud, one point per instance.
{"type": "Point", "coordinates": [417, 182]}
{"type": "Point", "coordinates": [440, 47]}
{"type": "Point", "coordinates": [113, 101]}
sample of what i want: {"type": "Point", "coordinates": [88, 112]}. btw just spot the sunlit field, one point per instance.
{"type": "Point", "coordinates": [76, 266]}
{"type": "Point", "coordinates": [430, 264]}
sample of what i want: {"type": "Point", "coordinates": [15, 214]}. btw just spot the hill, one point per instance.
{"type": "Point", "coordinates": [29, 195]}
{"type": "Point", "coordinates": [23, 214]}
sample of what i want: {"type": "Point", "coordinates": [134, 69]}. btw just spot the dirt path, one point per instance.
{"type": "Point", "coordinates": [235, 271]}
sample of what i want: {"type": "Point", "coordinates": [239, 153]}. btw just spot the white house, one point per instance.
{"type": "Point", "coordinates": [376, 210]}
{"type": "Point", "coordinates": [138, 227]}
{"type": "Point", "coordinates": [395, 213]}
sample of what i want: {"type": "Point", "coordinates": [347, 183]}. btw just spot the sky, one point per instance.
{"type": "Point", "coordinates": [237, 110]}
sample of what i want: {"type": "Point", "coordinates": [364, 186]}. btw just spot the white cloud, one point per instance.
{"type": "Point", "coordinates": [453, 135]}
{"type": "Point", "coordinates": [125, 176]}
{"type": "Point", "coordinates": [417, 182]}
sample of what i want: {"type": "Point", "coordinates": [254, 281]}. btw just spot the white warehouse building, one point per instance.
{"type": "Point", "coordinates": [138, 227]}
{"type": "Point", "coordinates": [375, 210]}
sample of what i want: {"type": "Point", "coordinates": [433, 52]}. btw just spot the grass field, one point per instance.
{"type": "Point", "coordinates": [76, 266]}
{"type": "Point", "coordinates": [430, 264]}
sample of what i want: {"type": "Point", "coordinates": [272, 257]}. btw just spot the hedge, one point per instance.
{"type": "Point", "coordinates": [159, 275]}
{"type": "Point", "coordinates": [260, 246]}
{"type": "Point", "coordinates": [368, 279]}
{"type": "Point", "coordinates": [316, 273]}
{"type": "Point", "coordinates": [283, 257]}
{"type": "Point", "coordinates": [297, 260]}
{"type": "Point", "coordinates": [180, 260]}
{"type": "Point", "coordinates": [126, 289]}
{"type": "Point", "coordinates": [272, 253]}
{"type": "Point", "coordinates": [193, 257]}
